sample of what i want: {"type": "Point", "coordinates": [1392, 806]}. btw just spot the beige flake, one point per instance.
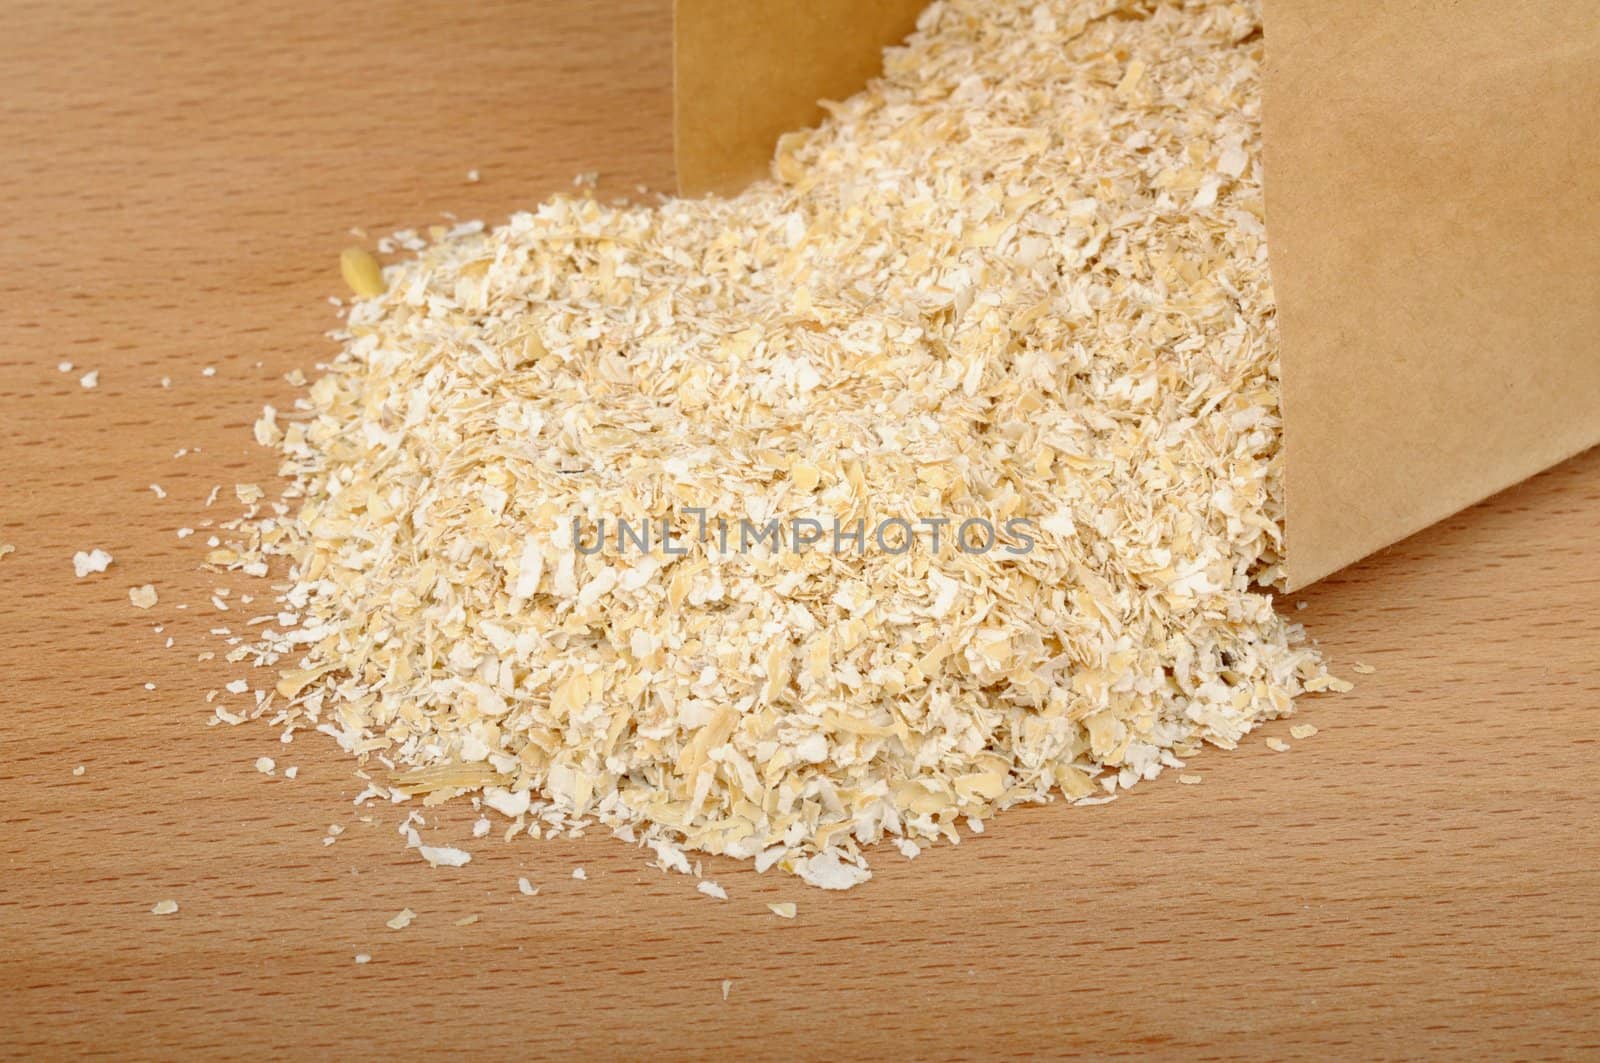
{"type": "Point", "coordinates": [1318, 683]}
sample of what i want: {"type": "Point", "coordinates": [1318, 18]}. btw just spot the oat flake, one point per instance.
{"type": "Point", "coordinates": [85, 563]}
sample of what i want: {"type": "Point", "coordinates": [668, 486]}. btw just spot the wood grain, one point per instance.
{"type": "Point", "coordinates": [1419, 879]}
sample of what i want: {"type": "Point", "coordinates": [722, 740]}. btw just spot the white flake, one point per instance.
{"type": "Point", "coordinates": [85, 563]}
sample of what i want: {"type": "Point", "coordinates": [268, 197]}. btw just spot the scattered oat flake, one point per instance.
{"type": "Point", "coordinates": [79, 770]}
{"type": "Point", "coordinates": [1302, 730]}
{"type": "Point", "coordinates": [1318, 683]}
{"type": "Point", "coordinates": [164, 908]}
{"type": "Point", "coordinates": [143, 597]}
{"type": "Point", "coordinates": [783, 909]}
{"type": "Point", "coordinates": [90, 379]}
{"type": "Point", "coordinates": [266, 765]}
{"type": "Point", "coordinates": [472, 176]}
{"type": "Point", "coordinates": [1189, 779]}
{"type": "Point", "coordinates": [401, 920]}
{"type": "Point", "coordinates": [160, 492]}
{"type": "Point", "coordinates": [291, 772]}
{"type": "Point", "coordinates": [466, 920]}
{"type": "Point", "coordinates": [727, 987]}
{"type": "Point", "coordinates": [527, 888]}
{"type": "Point", "coordinates": [85, 563]}
{"type": "Point", "coordinates": [64, 367]}
{"type": "Point", "coordinates": [267, 432]}
{"type": "Point", "coordinates": [711, 889]}
{"type": "Point", "coordinates": [1277, 745]}
{"type": "Point", "coordinates": [1362, 669]}
{"type": "Point", "coordinates": [444, 855]}
{"type": "Point", "coordinates": [363, 958]}
{"type": "Point", "coordinates": [580, 874]}
{"type": "Point", "coordinates": [7, 548]}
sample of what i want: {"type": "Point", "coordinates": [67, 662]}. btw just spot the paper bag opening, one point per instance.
{"type": "Point", "coordinates": [1433, 218]}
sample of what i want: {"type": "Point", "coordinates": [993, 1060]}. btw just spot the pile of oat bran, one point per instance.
{"type": "Point", "coordinates": [1022, 275]}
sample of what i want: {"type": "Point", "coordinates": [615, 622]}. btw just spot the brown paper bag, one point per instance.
{"type": "Point", "coordinates": [1433, 196]}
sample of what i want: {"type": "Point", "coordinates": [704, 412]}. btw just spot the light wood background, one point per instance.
{"type": "Point", "coordinates": [175, 183]}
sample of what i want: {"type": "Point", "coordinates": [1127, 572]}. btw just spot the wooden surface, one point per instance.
{"type": "Point", "coordinates": [1418, 879]}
